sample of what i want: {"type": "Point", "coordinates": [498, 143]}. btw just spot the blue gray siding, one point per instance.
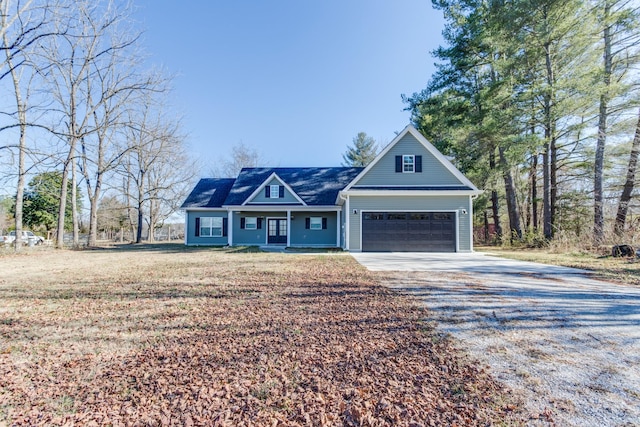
{"type": "Point", "coordinates": [300, 236]}
{"type": "Point", "coordinates": [384, 173]}
{"type": "Point", "coordinates": [288, 198]}
{"type": "Point", "coordinates": [410, 203]}
{"type": "Point", "coordinates": [190, 237]}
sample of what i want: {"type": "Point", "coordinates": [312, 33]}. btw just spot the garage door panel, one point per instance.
{"type": "Point", "coordinates": [408, 231]}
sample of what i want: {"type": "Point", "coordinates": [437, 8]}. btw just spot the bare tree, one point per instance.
{"type": "Point", "coordinates": [82, 60]}
{"type": "Point", "coordinates": [156, 169]}
{"type": "Point", "coordinates": [242, 156]}
{"type": "Point", "coordinates": [22, 27]}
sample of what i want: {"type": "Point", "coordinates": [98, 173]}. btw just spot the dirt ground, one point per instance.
{"type": "Point", "coordinates": [567, 345]}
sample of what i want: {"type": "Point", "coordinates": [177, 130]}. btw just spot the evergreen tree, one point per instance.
{"type": "Point", "coordinates": [41, 201]}
{"type": "Point", "coordinates": [363, 151]}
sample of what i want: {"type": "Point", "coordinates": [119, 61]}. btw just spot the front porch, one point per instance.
{"type": "Point", "coordinates": [269, 226]}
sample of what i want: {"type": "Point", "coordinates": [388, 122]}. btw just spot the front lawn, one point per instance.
{"type": "Point", "coordinates": [604, 267]}
{"type": "Point", "coordinates": [180, 336]}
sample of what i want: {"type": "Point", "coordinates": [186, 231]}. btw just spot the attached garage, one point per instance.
{"type": "Point", "coordinates": [409, 231]}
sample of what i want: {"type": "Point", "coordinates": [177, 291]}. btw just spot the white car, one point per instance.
{"type": "Point", "coordinates": [26, 236]}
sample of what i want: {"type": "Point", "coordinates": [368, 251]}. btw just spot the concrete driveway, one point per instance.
{"type": "Point", "coordinates": [567, 345]}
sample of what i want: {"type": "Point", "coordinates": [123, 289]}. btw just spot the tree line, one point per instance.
{"type": "Point", "coordinates": [80, 106]}
{"type": "Point", "coordinates": [538, 101]}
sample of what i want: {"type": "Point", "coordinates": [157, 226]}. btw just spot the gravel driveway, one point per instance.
{"type": "Point", "coordinates": [568, 345]}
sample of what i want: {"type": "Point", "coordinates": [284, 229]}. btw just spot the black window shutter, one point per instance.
{"type": "Point", "coordinates": [281, 191]}
{"type": "Point", "coordinates": [307, 223]}
{"type": "Point", "coordinates": [259, 223]}
{"type": "Point", "coordinates": [398, 163]}
{"type": "Point", "coordinates": [324, 223]}
{"type": "Point", "coordinates": [418, 163]}
{"type": "Point", "coordinates": [267, 192]}
{"type": "Point", "coordinates": [197, 227]}
{"type": "Point", "coordinates": [242, 223]}
{"type": "Point", "coordinates": [224, 226]}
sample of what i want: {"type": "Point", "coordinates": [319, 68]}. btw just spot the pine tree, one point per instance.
{"type": "Point", "coordinates": [363, 151]}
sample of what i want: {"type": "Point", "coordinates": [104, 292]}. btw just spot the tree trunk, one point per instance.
{"type": "Point", "coordinates": [22, 121]}
{"type": "Point", "coordinates": [598, 203]}
{"type": "Point", "coordinates": [139, 227]}
{"type": "Point", "coordinates": [510, 190]}
{"type": "Point", "coordinates": [74, 206]}
{"type": "Point", "coordinates": [534, 192]}
{"type": "Point", "coordinates": [494, 199]}
{"type": "Point", "coordinates": [625, 197]}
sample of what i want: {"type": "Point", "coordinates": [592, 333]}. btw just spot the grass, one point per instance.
{"type": "Point", "coordinates": [619, 270]}
{"type": "Point", "coordinates": [173, 335]}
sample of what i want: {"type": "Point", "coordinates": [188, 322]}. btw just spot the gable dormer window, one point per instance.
{"type": "Point", "coordinates": [408, 163]}
{"type": "Point", "coordinates": [274, 191]}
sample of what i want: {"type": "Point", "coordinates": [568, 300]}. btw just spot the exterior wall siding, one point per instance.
{"type": "Point", "coordinates": [411, 203]}
{"type": "Point", "coordinates": [300, 236]}
{"type": "Point", "coordinates": [190, 237]}
{"type": "Point", "coordinates": [288, 198]}
{"type": "Point", "coordinates": [384, 171]}
{"type": "Point", "coordinates": [252, 237]}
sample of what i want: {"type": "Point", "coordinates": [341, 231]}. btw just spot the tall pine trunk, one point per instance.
{"type": "Point", "coordinates": [495, 203]}
{"type": "Point", "coordinates": [598, 202]}
{"type": "Point", "coordinates": [510, 190]}
{"type": "Point", "coordinates": [625, 197]}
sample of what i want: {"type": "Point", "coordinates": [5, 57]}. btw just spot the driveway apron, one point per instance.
{"type": "Point", "coordinates": [566, 344]}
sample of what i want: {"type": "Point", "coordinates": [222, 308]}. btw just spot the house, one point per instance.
{"type": "Point", "coordinates": [410, 198]}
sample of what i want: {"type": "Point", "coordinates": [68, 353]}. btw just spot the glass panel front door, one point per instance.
{"type": "Point", "coordinates": [277, 231]}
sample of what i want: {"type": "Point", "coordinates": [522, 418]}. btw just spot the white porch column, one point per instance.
{"type": "Point", "coordinates": [338, 228]}
{"type": "Point", "coordinates": [288, 228]}
{"type": "Point", "coordinates": [230, 227]}
{"type": "Point", "coordinates": [347, 215]}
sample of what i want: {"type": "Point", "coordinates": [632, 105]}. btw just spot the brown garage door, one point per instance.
{"type": "Point", "coordinates": [408, 232]}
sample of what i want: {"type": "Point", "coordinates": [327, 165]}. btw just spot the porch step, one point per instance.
{"type": "Point", "coordinates": [272, 248]}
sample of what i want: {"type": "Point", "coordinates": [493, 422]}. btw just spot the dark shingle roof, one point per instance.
{"type": "Point", "coordinates": [209, 193]}
{"type": "Point", "coordinates": [316, 186]}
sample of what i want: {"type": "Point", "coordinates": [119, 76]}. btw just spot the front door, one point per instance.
{"type": "Point", "coordinates": [277, 231]}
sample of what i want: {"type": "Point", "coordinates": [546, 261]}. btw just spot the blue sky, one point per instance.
{"type": "Point", "coordinates": [294, 79]}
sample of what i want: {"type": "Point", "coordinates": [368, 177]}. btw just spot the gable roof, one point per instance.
{"type": "Point", "coordinates": [409, 129]}
{"type": "Point", "coordinates": [314, 186]}
{"type": "Point", "coordinates": [209, 193]}
{"type": "Point", "coordinates": [268, 180]}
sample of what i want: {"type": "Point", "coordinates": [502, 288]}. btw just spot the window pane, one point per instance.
{"type": "Point", "coordinates": [251, 223]}
{"type": "Point", "coordinates": [315, 223]}
{"type": "Point", "coordinates": [283, 228]}
{"type": "Point", "coordinates": [274, 192]}
{"type": "Point", "coordinates": [408, 163]}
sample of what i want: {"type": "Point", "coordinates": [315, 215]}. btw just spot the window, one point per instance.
{"type": "Point", "coordinates": [251, 223]}
{"type": "Point", "coordinates": [274, 192]}
{"type": "Point", "coordinates": [315, 223]}
{"type": "Point", "coordinates": [211, 227]}
{"type": "Point", "coordinates": [408, 163]}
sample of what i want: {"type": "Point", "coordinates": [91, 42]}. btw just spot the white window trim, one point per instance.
{"type": "Point", "coordinates": [318, 223]}
{"type": "Point", "coordinates": [274, 194]}
{"type": "Point", "coordinates": [251, 223]}
{"type": "Point", "coordinates": [412, 164]}
{"type": "Point", "coordinates": [209, 222]}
